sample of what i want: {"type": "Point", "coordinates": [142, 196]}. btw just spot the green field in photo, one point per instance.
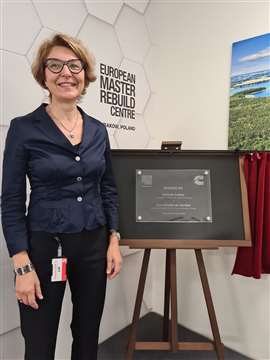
{"type": "Point", "coordinates": [249, 122]}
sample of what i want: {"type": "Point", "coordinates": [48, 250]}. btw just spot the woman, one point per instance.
{"type": "Point", "coordinates": [70, 230]}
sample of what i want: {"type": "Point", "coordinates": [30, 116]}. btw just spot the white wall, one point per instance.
{"type": "Point", "coordinates": [192, 67]}
{"type": "Point", "coordinates": [180, 52]}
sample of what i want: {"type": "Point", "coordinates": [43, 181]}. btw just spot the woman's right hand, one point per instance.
{"type": "Point", "coordinates": [27, 288]}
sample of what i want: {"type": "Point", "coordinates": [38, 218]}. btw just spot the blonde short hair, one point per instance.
{"type": "Point", "coordinates": [71, 43]}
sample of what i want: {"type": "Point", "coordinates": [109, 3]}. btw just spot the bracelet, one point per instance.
{"type": "Point", "coordinates": [24, 269]}
{"type": "Point", "coordinates": [116, 233]}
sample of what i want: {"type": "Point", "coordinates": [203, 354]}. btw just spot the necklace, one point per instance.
{"type": "Point", "coordinates": [70, 132]}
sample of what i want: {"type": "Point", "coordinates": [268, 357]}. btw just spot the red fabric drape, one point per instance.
{"type": "Point", "coordinates": [254, 261]}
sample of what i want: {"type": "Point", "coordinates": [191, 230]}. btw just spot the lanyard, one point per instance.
{"type": "Point", "coordinates": [59, 250]}
{"type": "Point", "coordinates": [59, 264]}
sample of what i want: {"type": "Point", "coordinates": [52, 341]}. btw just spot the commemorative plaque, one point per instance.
{"type": "Point", "coordinates": [172, 195]}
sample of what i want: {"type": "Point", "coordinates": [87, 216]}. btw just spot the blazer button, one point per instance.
{"type": "Point", "coordinates": [79, 198]}
{"type": "Point", "coordinates": [79, 178]}
{"type": "Point", "coordinates": [77, 158]}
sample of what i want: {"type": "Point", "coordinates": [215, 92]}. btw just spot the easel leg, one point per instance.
{"type": "Point", "coordinates": [166, 299]}
{"type": "Point", "coordinates": [209, 303]}
{"type": "Point", "coordinates": [173, 324]}
{"type": "Point", "coordinates": [138, 304]}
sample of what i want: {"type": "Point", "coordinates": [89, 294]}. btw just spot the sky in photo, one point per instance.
{"type": "Point", "coordinates": [251, 55]}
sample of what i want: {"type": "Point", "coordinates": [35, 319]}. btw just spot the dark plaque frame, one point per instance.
{"type": "Point", "coordinates": [231, 225]}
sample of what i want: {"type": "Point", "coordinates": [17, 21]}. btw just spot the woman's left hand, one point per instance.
{"type": "Point", "coordinates": [114, 258]}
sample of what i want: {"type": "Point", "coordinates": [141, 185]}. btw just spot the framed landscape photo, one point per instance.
{"type": "Point", "coordinates": [249, 120]}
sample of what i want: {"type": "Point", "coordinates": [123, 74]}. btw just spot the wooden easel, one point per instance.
{"type": "Point", "coordinates": [138, 236]}
{"type": "Point", "coordinates": [170, 336]}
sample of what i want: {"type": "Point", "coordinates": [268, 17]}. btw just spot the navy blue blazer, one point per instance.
{"type": "Point", "coordinates": [71, 187]}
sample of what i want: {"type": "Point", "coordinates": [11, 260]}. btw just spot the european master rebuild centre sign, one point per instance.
{"type": "Point", "coordinates": [118, 91]}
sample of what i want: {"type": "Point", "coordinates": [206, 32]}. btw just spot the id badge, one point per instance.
{"type": "Point", "coordinates": [59, 269]}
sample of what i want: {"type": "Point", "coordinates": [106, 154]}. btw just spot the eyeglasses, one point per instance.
{"type": "Point", "coordinates": [56, 66]}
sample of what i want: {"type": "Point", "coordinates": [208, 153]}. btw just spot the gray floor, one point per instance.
{"type": "Point", "coordinates": [150, 330]}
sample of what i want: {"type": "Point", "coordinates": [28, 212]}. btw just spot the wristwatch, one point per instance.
{"type": "Point", "coordinates": [24, 269]}
{"type": "Point", "coordinates": [116, 233]}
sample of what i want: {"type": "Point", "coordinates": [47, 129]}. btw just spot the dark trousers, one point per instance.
{"type": "Point", "coordinates": [86, 271]}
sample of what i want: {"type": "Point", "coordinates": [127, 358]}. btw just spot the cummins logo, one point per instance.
{"type": "Point", "coordinates": [199, 180]}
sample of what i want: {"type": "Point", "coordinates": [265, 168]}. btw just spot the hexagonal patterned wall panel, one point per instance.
{"type": "Point", "coordinates": [21, 93]}
{"type": "Point", "coordinates": [137, 5]}
{"type": "Point", "coordinates": [142, 86]}
{"type": "Point", "coordinates": [108, 50]}
{"type": "Point", "coordinates": [133, 34]}
{"type": "Point", "coordinates": [129, 139]}
{"type": "Point", "coordinates": [44, 34]}
{"type": "Point", "coordinates": [104, 10]}
{"type": "Point", "coordinates": [153, 67]}
{"type": "Point", "coordinates": [150, 115]}
{"type": "Point", "coordinates": [61, 16]}
{"type": "Point", "coordinates": [20, 26]}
